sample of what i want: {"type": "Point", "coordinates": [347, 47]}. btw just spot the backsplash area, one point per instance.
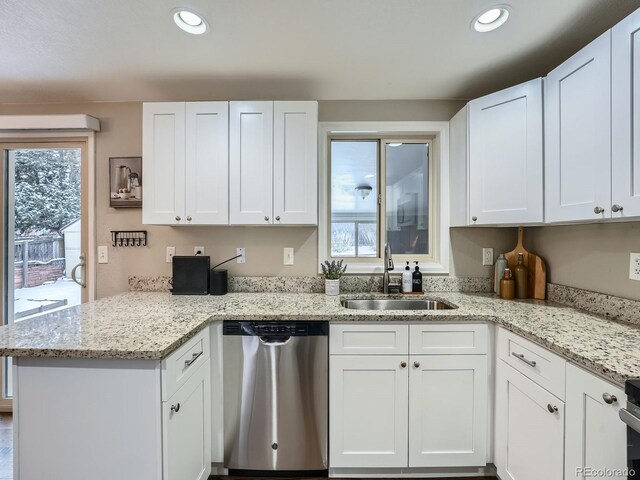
{"type": "Point", "coordinates": [348, 284]}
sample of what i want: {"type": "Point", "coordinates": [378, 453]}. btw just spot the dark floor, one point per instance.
{"type": "Point", "coordinates": [6, 447]}
{"type": "Point", "coordinates": [220, 477]}
{"type": "Point", "coordinates": [6, 456]}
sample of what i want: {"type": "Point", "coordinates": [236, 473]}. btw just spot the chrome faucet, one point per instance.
{"type": "Point", "coordinates": [388, 266]}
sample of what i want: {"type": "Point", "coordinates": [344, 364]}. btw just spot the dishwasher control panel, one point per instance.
{"type": "Point", "coordinates": [267, 328]}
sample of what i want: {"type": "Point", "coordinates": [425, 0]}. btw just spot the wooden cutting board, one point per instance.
{"type": "Point", "coordinates": [537, 282]}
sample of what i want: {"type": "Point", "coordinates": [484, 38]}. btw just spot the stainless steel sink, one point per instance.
{"type": "Point", "coordinates": [395, 304]}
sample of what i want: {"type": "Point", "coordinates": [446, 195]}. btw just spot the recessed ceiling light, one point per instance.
{"type": "Point", "coordinates": [490, 19]}
{"type": "Point", "coordinates": [189, 21]}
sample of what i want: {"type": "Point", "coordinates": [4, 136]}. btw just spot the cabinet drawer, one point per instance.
{"type": "Point", "coordinates": [537, 363]}
{"type": "Point", "coordinates": [178, 367]}
{"type": "Point", "coordinates": [382, 339]}
{"type": "Point", "coordinates": [446, 339]}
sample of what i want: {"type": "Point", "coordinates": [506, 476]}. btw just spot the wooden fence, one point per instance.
{"type": "Point", "coordinates": [42, 257]}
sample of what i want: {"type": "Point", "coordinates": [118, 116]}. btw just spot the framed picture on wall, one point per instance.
{"type": "Point", "coordinates": [125, 182]}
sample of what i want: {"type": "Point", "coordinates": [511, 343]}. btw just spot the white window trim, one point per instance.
{"type": "Point", "coordinates": [441, 132]}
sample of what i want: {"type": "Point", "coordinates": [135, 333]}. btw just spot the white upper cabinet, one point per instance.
{"type": "Point", "coordinates": [163, 163]}
{"type": "Point", "coordinates": [578, 135]}
{"type": "Point", "coordinates": [207, 163]}
{"type": "Point", "coordinates": [595, 437]}
{"type": "Point", "coordinates": [625, 118]}
{"type": "Point", "coordinates": [185, 163]}
{"type": "Point", "coordinates": [505, 156]}
{"type": "Point", "coordinates": [295, 163]}
{"type": "Point", "coordinates": [251, 163]}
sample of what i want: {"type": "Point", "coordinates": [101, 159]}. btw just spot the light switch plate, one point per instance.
{"type": "Point", "coordinates": [240, 251]}
{"type": "Point", "coordinates": [103, 254]}
{"type": "Point", "coordinates": [171, 252]}
{"type": "Point", "coordinates": [288, 256]}
{"type": "Point", "coordinates": [634, 266]}
{"type": "Point", "coordinates": [487, 256]}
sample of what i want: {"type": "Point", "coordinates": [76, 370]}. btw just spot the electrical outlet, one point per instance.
{"type": "Point", "coordinates": [103, 254]}
{"type": "Point", "coordinates": [487, 256]}
{"type": "Point", "coordinates": [288, 256]}
{"type": "Point", "coordinates": [171, 252]}
{"type": "Point", "coordinates": [240, 251]}
{"type": "Point", "coordinates": [198, 250]}
{"type": "Point", "coordinates": [634, 266]}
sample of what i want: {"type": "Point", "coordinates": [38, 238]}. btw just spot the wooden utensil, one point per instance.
{"type": "Point", "coordinates": [537, 281]}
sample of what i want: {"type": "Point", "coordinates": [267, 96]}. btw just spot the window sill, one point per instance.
{"type": "Point", "coordinates": [430, 268]}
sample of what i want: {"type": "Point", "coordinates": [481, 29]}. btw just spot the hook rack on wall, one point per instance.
{"type": "Point", "coordinates": [129, 238]}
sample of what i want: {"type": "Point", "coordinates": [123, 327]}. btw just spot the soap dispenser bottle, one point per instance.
{"type": "Point", "coordinates": [407, 280]}
{"type": "Point", "coordinates": [417, 280]}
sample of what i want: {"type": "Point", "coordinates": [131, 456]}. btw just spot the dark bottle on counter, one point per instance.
{"type": "Point", "coordinates": [521, 275]}
{"type": "Point", "coordinates": [417, 279]}
{"type": "Point", "coordinates": [507, 286]}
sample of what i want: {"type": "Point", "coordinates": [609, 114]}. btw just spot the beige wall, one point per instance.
{"type": "Point", "coordinates": [593, 257]}
{"type": "Point", "coordinates": [121, 135]}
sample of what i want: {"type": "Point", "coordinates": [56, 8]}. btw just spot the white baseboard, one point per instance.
{"type": "Point", "coordinates": [437, 472]}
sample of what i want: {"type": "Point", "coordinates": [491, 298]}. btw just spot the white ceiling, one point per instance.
{"type": "Point", "coordinates": [78, 50]}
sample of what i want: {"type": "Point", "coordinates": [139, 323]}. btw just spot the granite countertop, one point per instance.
{"type": "Point", "coordinates": [140, 325]}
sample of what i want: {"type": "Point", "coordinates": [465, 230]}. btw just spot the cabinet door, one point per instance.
{"type": "Point", "coordinates": [163, 163]}
{"type": "Point", "coordinates": [596, 439]}
{"type": "Point", "coordinates": [447, 410]}
{"type": "Point", "coordinates": [207, 163]}
{"type": "Point", "coordinates": [251, 163]}
{"type": "Point", "coordinates": [505, 156]}
{"type": "Point", "coordinates": [529, 432]}
{"type": "Point", "coordinates": [295, 163]}
{"type": "Point", "coordinates": [578, 135]}
{"type": "Point", "coordinates": [369, 411]}
{"type": "Point", "coordinates": [625, 116]}
{"type": "Point", "coordinates": [186, 423]}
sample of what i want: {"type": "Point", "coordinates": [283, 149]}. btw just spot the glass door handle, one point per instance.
{"type": "Point", "coordinates": [82, 265]}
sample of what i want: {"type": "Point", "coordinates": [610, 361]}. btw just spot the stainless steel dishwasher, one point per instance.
{"type": "Point", "coordinates": [275, 397]}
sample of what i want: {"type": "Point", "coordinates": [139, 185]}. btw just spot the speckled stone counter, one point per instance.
{"type": "Point", "coordinates": [152, 325]}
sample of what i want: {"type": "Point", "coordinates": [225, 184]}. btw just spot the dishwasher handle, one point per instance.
{"type": "Point", "coordinates": [275, 340]}
{"type": "Point", "coordinates": [630, 419]}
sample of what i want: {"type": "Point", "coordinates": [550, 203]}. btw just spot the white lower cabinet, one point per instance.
{"type": "Point", "coordinates": [447, 410]}
{"type": "Point", "coordinates": [529, 428]}
{"type": "Point", "coordinates": [595, 436]}
{"type": "Point", "coordinates": [405, 410]}
{"type": "Point", "coordinates": [186, 429]}
{"type": "Point", "coordinates": [368, 411]}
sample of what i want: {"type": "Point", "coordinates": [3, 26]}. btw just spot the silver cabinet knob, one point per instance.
{"type": "Point", "coordinates": [416, 364]}
{"type": "Point", "coordinates": [278, 218]}
{"type": "Point", "coordinates": [403, 364]}
{"type": "Point", "coordinates": [616, 208]}
{"type": "Point", "coordinates": [608, 398]}
{"type": "Point", "coordinates": [598, 210]}
{"type": "Point", "coordinates": [189, 219]}
{"type": "Point", "coordinates": [178, 218]}
{"type": "Point", "coordinates": [266, 218]}
{"type": "Point", "coordinates": [474, 218]}
{"type": "Point", "coordinates": [175, 408]}
{"type": "Point", "coordinates": [552, 408]}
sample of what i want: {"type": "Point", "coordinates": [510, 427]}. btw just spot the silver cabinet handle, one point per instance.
{"type": "Point", "coordinates": [598, 210]}
{"type": "Point", "coordinates": [195, 356]}
{"type": "Point", "coordinates": [520, 356]}
{"type": "Point", "coordinates": [403, 364]}
{"type": "Point", "coordinates": [175, 408]}
{"type": "Point", "coordinates": [616, 208]}
{"type": "Point", "coordinates": [278, 218]}
{"type": "Point", "coordinates": [552, 408]}
{"type": "Point", "coordinates": [474, 218]}
{"type": "Point", "coordinates": [178, 218]}
{"type": "Point", "coordinates": [630, 419]}
{"type": "Point", "coordinates": [416, 364]}
{"type": "Point", "coordinates": [608, 398]}
{"type": "Point", "coordinates": [189, 219]}
{"type": "Point", "coordinates": [266, 218]}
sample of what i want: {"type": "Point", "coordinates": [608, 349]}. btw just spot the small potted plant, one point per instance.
{"type": "Point", "coordinates": [332, 271]}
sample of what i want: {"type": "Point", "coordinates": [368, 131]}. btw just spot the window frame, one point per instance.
{"type": "Point", "coordinates": [437, 133]}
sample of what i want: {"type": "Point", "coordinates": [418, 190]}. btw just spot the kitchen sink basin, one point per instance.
{"type": "Point", "coordinates": [395, 304]}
